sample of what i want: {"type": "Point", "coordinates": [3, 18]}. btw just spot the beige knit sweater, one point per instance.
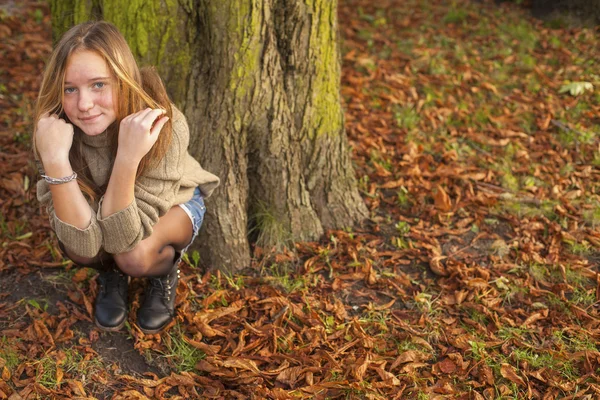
{"type": "Point", "coordinates": [172, 182]}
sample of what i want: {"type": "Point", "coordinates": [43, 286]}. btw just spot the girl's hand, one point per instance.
{"type": "Point", "coordinates": [138, 132]}
{"type": "Point", "coordinates": [53, 139]}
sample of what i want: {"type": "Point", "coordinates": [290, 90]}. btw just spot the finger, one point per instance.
{"type": "Point", "coordinates": [137, 116]}
{"type": "Point", "coordinates": [152, 118]}
{"type": "Point", "coordinates": [158, 125]}
{"type": "Point", "coordinates": [147, 112]}
{"type": "Point", "coordinates": [154, 114]}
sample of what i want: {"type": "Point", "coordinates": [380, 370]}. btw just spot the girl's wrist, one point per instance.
{"type": "Point", "coordinates": [57, 164]}
{"type": "Point", "coordinates": [126, 161]}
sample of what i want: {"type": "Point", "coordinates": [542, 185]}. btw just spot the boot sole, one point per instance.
{"type": "Point", "coordinates": [109, 328]}
{"type": "Point", "coordinates": [153, 331]}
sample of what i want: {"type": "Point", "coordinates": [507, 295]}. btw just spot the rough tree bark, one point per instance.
{"type": "Point", "coordinates": [259, 82]}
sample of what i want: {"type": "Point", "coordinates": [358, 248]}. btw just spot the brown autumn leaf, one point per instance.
{"type": "Point", "coordinates": [240, 363]}
{"type": "Point", "coordinates": [447, 366]}
{"type": "Point", "coordinates": [6, 374]}
{"type": "Point", "coordinates": [482, 139]}
{"type": "Point", "coordinates": [131, 395]}
{"type": "Point", "coordinates": [409, 356]}
{"type": "Point", "coordinates": [441, 199]}
{"type": "Point", "coordinates": [437, 267]}
{"type": "Point", "coordinates": [535, 317]}
{"type": "Point", "coordinates": [508, 372]}
{"type": "Point", "coordinates": [290, 376]}
{"type": "Point", "coordinates": [80, 276]}
{"type": "Point", "coordinates": [360, 368]}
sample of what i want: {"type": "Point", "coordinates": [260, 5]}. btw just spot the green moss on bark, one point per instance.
{"type": "Point", "coordinates": [245, 23]}
{"type": "Point", "coordinates": [66, 13]}
{"type": "Point", "coordinates": [154, 34]}
{"type": "Point", "coordinates": [325, 113]}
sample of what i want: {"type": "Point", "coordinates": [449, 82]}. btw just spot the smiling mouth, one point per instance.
{"type": "Point", "coordinates": [89, 119]}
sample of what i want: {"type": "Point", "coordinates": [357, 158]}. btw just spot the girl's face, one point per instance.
{"type": "Point", "coordinates": [89, 99]}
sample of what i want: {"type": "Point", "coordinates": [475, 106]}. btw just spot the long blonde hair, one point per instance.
{"type": "Point", "coordinates": [135, 89]}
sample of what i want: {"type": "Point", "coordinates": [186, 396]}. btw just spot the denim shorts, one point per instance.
{"type": "Point", "coordinates": [194, 209]}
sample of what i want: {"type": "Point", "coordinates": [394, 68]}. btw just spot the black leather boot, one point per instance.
{"type": "Point", "coordinates": [111, 302]}
{"type": "Point", "coordinates": [158, 307]}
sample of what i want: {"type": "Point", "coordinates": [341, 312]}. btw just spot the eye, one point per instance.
{"type": "Point", "coordinates": [99, 85]}
{"type": "Point", "coordinates": [69, 90]}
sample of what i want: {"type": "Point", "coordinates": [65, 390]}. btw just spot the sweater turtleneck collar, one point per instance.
{"type": "Point", "coordinates": [100, 140]}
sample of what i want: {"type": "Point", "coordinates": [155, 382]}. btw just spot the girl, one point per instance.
{"type": "Point", "coordinates": [122, 192]}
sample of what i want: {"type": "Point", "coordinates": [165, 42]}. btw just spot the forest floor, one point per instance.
{"type": "Point", "coordinates": [475, 135]}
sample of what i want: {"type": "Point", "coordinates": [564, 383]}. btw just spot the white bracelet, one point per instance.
{"type": "Point", "coordinates": [59, 181]}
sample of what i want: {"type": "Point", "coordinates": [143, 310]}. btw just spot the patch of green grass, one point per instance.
{"type": "Point", "coordinates": [284, 276]}
{"type": "Point", "coordinates": [575, 277]}
{"type": "Point", "coordinates": [583, 298]}
{"type": "Point", "coordinates": [591, 215]}
{"type": "Point", "coordinates": [363, 184]}
{"type": "Point", "coordinates": [41, 305]}
{"type": "Point", "coordinates": [38, 15]}
{"type": "Point", "coordinates": [407, 345]}
{"type": "Point", "coordinates": [455, 16]}
{"type": "Point", "coordinates": [71, 362]}
{"type": "Point", "coordinates": [478, 350]}
{"type": "Point", "coordinates": [375, 322]}
{"type": "Point", "coordinates": [194, 261]}
{"type": "Point", "coordinates": [9, 354]}
{"type": "Point", "coordinates": [559, 305]}
{"type": "Point", "coordinates": [513, 291]}
{"type": "Point", "coordinates": [569, 137]}
{"type": "Point", "coordinates": [406, 47]}
{"type": "Point", "coordinates": [509, 181]}
{"type": "Point", "coordinates": [481, 117]}
{"type": "Point", "coordinates": [522, 35]}
{"type": "Point", "coordinates": [46, 369]}
{"type": "Point", "coordinates": [382, 160]}
{"type": "Point", "coordinates": [528, 62]}
{"type": "Point", "coordinates": [539, 272]}
{"type": "Point", "coordinates": [14, 229]}
{"type": "Point", "coordinates": [406, 117]}
{"type": "Point", "coordinates": [478, 316]}
{"type": "Point", "coordinates": [269, 229]}
{"type": "Point", "coordinates": [76, 364]}
{"type": "Point", "coordinates": [527, 122]}
{"type": "Point", "coordinates": [522, 209]}
{"type": "Point", "coordinates": [377, 20]}
{"type": "Point", "coordinates": [236, 282]}
{"type": "Point", "coordinates": [538, 360]}
{"type": "Point", "coordinates": [507, 332]}
{"type": "Point", "coordinates": [571, 341]}
{"type": "Point", "coordinates": [403, 198]}
{"type": "Point", "coordinates": [181, 355]}
{"type": "Point", "coordinates": [423, 395]}
{"type": "Point", "coordinates": [580, 248]}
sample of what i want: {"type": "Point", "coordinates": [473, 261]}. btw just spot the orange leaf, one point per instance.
{"type": "Point", "coordinates": [447, 366]}
{"type": "Point", "coordinates": [80, 276]}
{"type": "Point", "coordinates": [5, 374]}
{"type": "Point", "coordinates": [240, 363]}
{"type": "Point", "coordinates": [508, 373]}
{"type": "Point", "coordinates": [442, 200]}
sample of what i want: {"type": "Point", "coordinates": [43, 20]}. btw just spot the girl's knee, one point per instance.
{"type": "Point", "coordinates": [95, 262]}
{"type": "Point", "coordinates": [134, 263]}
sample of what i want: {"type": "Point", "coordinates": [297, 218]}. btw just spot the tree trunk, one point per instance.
{"type": "Point", "coordinates": [259, 82]}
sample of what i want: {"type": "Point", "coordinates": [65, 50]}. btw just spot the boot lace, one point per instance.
{"type": "Point", "coordinates": [111, 281]}
{"type": "Point", "coordinates": [160, 287]}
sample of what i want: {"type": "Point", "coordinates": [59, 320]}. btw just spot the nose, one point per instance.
{"type": "Point", "coordinates": [85, 101]}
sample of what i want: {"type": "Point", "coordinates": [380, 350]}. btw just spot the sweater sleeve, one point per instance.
{"type": "Point", "coordinates": [154, 195]}
{"type": "Point", "coordinates": [83, 242]}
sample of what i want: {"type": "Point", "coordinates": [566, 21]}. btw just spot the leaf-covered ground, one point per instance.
{"type": "Point", "coordinates": [475, 140]}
